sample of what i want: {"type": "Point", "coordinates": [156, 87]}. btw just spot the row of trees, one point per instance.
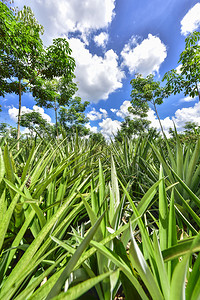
{"type": "Point", "coordinates": [48, 73]}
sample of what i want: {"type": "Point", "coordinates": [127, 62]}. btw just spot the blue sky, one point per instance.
{"type": "Point", "coordinates": [111, 40]}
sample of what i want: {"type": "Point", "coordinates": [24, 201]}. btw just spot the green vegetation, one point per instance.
{"type": "Point", "coordinates": [26, 64]}
{"type": "Point", "coordinates": [82, 218]}
{"type": "Point", "coordinates": [85, 219]}
{"type": "Point", "coordinates": [187, 78]}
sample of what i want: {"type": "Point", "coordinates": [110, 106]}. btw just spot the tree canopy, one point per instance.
{"type": "Point", "coordinates": [72, 116]}
{"type": "Point", "coordinates": [25, 63]}
{"type": "Point", "coordinates": [145, 91]}
{"type": "Point", "coordinates": [37, 124]}
{"type": "Point", "coordinates": [187, 78]}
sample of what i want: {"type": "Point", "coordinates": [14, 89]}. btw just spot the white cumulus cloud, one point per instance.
{"type": "Point", "coordinates": [92, 128]}
{"type": "Point", "coordinates": [101, 39]}
{"type": "Point", "coordinates": [13, 112]}
{"type": "Point", "coordinates": [188, 99]}
{"type": "Point", "coordinates": [189, 114]}
{"type": "Point", "coordinates": [178, 69]}
{"type": "Point", "coordinates": [94, 115]}
{"type": "Point", "coordinates": [122, 112]}
{"type": "Point", "coordinates": [109, 127]}
{"type": "Point", "coordinates": [144, 58]}
{"type": "Point", "coordinates": [191, 21]}
{"type": "Point", "coordinates": [64, 16]}
{"type": "Point", "coordinates": [167, 123]}
{"type": "Point", "coordinates": [104, 112]}
{"type": "Point", "coordinates": [97, 76]}
{"type": "Point", "coordinates": [181, 116]}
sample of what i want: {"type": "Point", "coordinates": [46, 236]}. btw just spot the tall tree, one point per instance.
{"type": "Point", "coordinates": [54, 93]}
{"type": "Point", "coordinates": [145, 91]}
{"type": "Point", "coordinates": [7, 44]}
{"type": "Point", "coordinates": [21, 54]}
{"type": "Point", "coordinates": [187, 78]}
{"type": "Point", "coordinates": [73, 116]}
{"type": "Point", "coordinates": [28, 61]}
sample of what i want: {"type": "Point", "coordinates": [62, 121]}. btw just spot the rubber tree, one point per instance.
{"type": "Point", "coordinates": [145, 91]}
{"type": "Point", "coordinates": [8, 42]}
{"type": "Point", "coordinates": [55, 93]}
{"type": "Point", "coordinates": [21, 53]}
{"type": "Point", "coordinates": [72, 116]}
{"type": "Point", "coordinates": [26, 58]}
{"type": "Point", "coordinates": [186, 78]}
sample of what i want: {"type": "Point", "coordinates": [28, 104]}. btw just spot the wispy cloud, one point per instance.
{"type": "Point", "coordinates": [188, 99]}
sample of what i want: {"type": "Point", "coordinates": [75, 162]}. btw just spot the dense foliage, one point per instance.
{"type": "Point", "coordinates": [186, 78]}
{"type": "Point", "coordinates": [26, 64]}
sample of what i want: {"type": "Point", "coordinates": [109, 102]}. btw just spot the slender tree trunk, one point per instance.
{"type": "Point", "coordinates": [56, 117]}
{"type": "Point", "coordinates": [25, 85]}
{"type": "Point", "coordinates": [158, 119]}
{"type": "Point", "coordinates": [19, 113]}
